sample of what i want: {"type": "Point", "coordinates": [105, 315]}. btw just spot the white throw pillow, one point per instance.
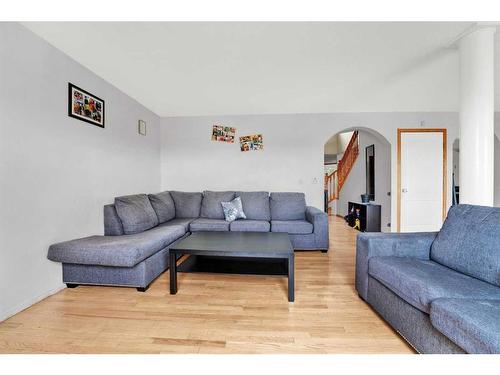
{"type": "Point", "coordinates": [233, 210]}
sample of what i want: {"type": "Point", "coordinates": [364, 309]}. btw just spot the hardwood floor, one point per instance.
{"type": "Point", "coordinates": [214, 314]}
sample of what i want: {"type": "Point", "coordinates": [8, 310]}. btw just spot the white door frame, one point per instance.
{"type": "Point", "coordinates": [421, 130]}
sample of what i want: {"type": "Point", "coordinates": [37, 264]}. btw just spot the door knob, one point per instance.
{"type": "Point", "coordinates": [404, 190]}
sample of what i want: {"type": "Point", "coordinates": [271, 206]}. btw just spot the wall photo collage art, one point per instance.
{"type": "Point", "coordinates": [84, 106]}
{"type": "Point", "coordinates": [253, 142]}
{"type": "Point", "coordinates": [222, 133]}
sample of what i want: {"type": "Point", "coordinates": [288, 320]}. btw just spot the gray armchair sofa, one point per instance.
{"type": "Point", "coordinates": [440, 291]}
{"type": "Point", "coordinates": [140, 229]}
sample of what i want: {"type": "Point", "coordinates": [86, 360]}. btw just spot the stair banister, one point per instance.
{"type": "Point", "coordinates": [348, 159]}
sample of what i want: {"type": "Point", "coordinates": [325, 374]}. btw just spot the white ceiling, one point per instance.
{"type": "Point", "coordinates": [183, 69]}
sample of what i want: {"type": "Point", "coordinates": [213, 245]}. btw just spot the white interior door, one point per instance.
{"type": "Point", "coordinates": [421, 181]}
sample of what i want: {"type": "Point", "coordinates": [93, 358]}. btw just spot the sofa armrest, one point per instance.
{"type": "Point", "coordinates": [319, 220]}
{"type": "Point", "coordinates": [368, 245]}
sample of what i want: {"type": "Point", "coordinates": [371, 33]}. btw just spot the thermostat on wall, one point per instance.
{"type": "Point", "coordinates": [142, 127]}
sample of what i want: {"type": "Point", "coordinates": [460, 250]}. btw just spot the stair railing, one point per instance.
{"type": "Point", "coordinates": [331, 186]}
{"type": "Point", "coordinates": [348, 159]}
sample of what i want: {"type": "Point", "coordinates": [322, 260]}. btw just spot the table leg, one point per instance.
{"type": "Point", "coordinates": [291, 279]}
{"type": "Point", "coordinates": [173, 272]}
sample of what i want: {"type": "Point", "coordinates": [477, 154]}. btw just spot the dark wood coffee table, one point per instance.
{"type": "Point", "coordinates": [224, 245]}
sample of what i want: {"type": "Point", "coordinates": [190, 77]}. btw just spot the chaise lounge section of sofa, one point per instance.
{"type": "Point", "coordinates": [140, 229]}
{"type": "Point", "coordinates": [440, 290]}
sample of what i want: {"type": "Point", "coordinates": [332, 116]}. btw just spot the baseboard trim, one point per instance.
{"type": "Point", "coordinates": [6, 314]}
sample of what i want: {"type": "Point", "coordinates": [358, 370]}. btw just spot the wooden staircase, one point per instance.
{"type": "Point", "coordinates": [346, 163]}
{"type": "Point", "coordinates": [335, 181]}
{"type": "Point", "coordinates": [331, 186]}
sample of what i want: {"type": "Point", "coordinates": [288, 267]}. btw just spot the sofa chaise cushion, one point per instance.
{"type": "Point", "coordinates": [187, 205]}
{"type": "Point", "coordinates": [419, 282]}
{"type": "Point", "coordinates": [468, 242]}
{"type": "Point", "coordinates": [116, 251]}
{"type": "Point", "coordinates": [287, 206]}
{"type": "Point", "coordinates": [291, 226]}
{"type": "Point", "coordinates": [164, 206]}
{"type": "Point", "coordinates": [472, 324]}
{"type": "Point", "coordinates": [136, 213]}
{"type": "Point", "coordinates": [255, 204]}
{"type": "Point", "coordinates": [209, 225]}
{"type": "Point", "coordinates": [246, 225]}
{"type": "Point", "coordinates": [211, 207]}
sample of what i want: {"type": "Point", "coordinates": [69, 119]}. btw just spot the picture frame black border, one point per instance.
{"type": "Point", "coordinates": [70, 102]}
{"type": "Point", "coordinates": [371, 197]}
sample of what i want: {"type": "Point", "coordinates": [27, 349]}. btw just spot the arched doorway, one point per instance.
{"type": "Point", "coordinates": [358, 161]}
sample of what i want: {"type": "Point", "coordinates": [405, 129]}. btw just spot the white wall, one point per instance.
{"type": "Point", "coordinates": [332, 145]}
{"type": "Point", "coordinates": [56, 171]}
{"type": "Point", "coordinates": [292, 159]}
{"type": "Point", "coordinates": [343, 141]}
{"type": "Point", "coordinates": [338, 143]}
{"type": "Point", "coordinates": [355, 185]}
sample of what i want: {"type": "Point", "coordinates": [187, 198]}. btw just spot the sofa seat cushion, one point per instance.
{"type": "Point", "coordinates": [472, 324]}
{"type": "Point", "coordinates": [135, 213]}
{"type": "Point", "coordinates": [468, 242]}
{"type": "Point", "coordinates": [255, 204]}
{"type": "Point", "coordinates": [287, 206]}
{"type": "Point", "coordinates": [164, 206]}
{"type": "Point", "coordinates": [187, 204]}
{"type": "Point", "coordinates": [117, 251]}
{"type": "Point", "coordinates": [209, 225]}
{"type": "Point", "coordinates": [183, 222]}
{"type": "Point", "coordinates": [211, 205]}
{"type": "Point", "coordinates": [292, 226]}
{"type": "Point", "coordinates": [246, 225]}
{"type": "Point", "coordinates": [419, 282]}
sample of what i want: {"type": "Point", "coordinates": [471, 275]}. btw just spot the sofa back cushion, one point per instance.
{"type": "Point", "coordinates": [255, 204]}
{"type": "Point", "coordinates": [112, 223]}
{"type": "Point", "coordinates": [187, 205]}
{"type": "Point", "coordinates": [287, 206]}
{"type": "Point", "coordinates": [469, 242]}
{"type": "Point", "coordinates": [135, 213]}
{"type": "Point", "coordinates": [163, 204]}
{"type": "Point", "coordinates": [211, 207]}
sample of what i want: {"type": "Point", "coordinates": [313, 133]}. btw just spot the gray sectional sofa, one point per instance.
{"type": "Point", "coordinates": [440, 291]}
{"type": "Point", "coordinates": [139, 229]}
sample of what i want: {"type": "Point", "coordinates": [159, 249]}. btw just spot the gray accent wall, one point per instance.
{"type": "Point", "coordinates": [58, 172]}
